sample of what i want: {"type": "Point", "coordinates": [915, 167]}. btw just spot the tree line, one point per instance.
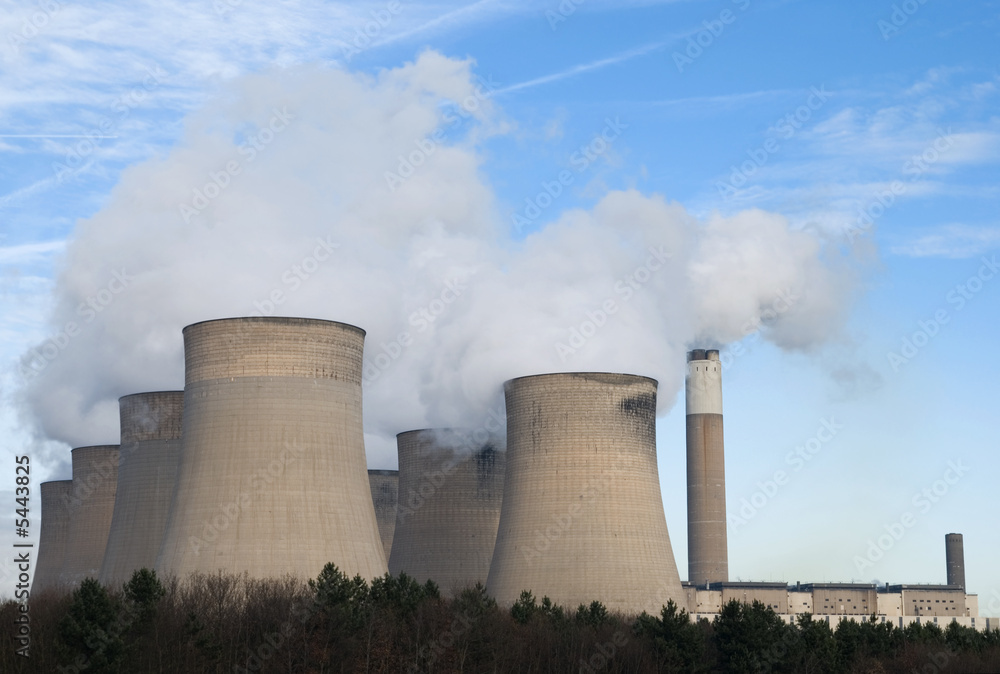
{"type": "Point", "coordinates": [232, 623]}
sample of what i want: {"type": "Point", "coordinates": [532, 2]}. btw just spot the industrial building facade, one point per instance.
{"type": "Point", "coordinates": [901, 604]}
{"type": "Point", "coordinates": [258, 466]}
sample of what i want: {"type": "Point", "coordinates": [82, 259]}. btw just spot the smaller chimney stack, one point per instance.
{"type": "Point", "coordinates": [954, 550]}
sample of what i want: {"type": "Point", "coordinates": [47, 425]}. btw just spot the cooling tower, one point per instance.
{"type": "Point", "coordinates": [91, 504]}
{"type": "Point", "coordinates": [272, 476]}
{"type": "Point", "coordinates": [954, 549]}
{"type": "Point", "coordinates": [147, 470]}
{"type": "Point", "coordinates": [708, 552]}
{"type": "Point", "coordinates": [385, 485]}
{"type": "Point", "coordinates": [582, 517]}
{"type": "Point", "coordinates": [450, 491]}
{"type": "Point", "coordinates": [54, 531]}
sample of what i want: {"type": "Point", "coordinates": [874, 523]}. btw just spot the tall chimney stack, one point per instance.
{"type": "Point", "coordinates": [708, 554]}
{"type": "Point", "coordinates": [954, 549]}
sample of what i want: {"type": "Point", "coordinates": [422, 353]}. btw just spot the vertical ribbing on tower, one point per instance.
{"type": "Point", "coordinates": [91, 505]}
{"type": "Point", "coordinates": [450, 493]}
{"type": "Point", "coordinates": [147, 473]}
{"type": "Point", "coordinates": [54, 534]}
{"type": "Point", "coordinates": [385, 486]}
{"type": "Point", "coordinates": [272, 478]}
{"type": "Point", "coordinates": [582, 516]}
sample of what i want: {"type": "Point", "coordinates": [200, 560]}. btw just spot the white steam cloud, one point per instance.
{"type": "Point", "coordinates": [294, 215]}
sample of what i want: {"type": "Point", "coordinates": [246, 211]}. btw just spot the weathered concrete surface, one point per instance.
{"type": "Point", "coordinates": [147, 473]}
{"type": "Point", "coordinates": [54, 534]}
{"type": "Point", "coordinates": [272, 477]}
{"type": "Point", "coordinates": [955, 559]}
{"type": "Point", "coordinates": [582, 516]}
{"type": "Point", "coordinates": [91, 505]}
{"type": "Point", "coordinates": [450, 491]}
{"type": "Point", "coordinates": [385, 486]}
{"type": "Point", "coordinates": [708, 548]}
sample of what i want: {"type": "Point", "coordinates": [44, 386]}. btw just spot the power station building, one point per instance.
{"type": "Point", "coordinates": [582, 518]}
{"type": "Point", "coordinates": [259, 466]}
{"type": "Point", "coordinates": [272, 477]}
{"type": "Point", "coordinates": [450, 491]}
{"type": "Point", "coordinates": [708, 587]}
{"type": "Point", "coordinates": [901, 604]}
{"type": "Point", "coordinates": [147, 473]}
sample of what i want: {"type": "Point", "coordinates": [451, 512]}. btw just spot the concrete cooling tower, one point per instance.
{"type": "Point", "coordinates": [272, 476]}
{"type": "Point", "coordinates": [147, 471]}
{"type": "Point", "coordinates": [91, 505]}
{"type": "Point", "coordinates": [708, 551]}
{"type": "Point", "coordinates": [450, 491]}
{"type": "Point", "coordinates": [582, 517]}
{"type": "Point", "coordinates": [385, 485]}
{"type": "Point", "coordinates": [954, 549]}
{"type": "Point", "coordinates": [54, 531]}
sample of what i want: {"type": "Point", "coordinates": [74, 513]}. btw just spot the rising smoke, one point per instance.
{"type": "Point", "coordinates": [288, 197]}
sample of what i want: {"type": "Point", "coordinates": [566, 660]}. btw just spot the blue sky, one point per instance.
{"type": "Point", "coordinates": [817, 112]}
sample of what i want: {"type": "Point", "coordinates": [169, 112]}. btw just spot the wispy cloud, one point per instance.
{"type": "Point", "coordinates": [722, 101]}
{"type": "Point", "coordinates": [142, 66]}
{"type": "Point", "coordinates": [474, 13]}
{"type": "Point", "coordinates": [934, 79]}
{"type": "Point", "coordinates": [840, 160]}
{"type": "Point", "coordinates": [34, 189]}
{"type": "Point", "coordinates": [29, 252]}
{"type": "Point", "coordinates": [952, 241]}
{"type": "Point", "coordinates": [195, 43]}
{"type": "Point", "coordinates": [585, 67]}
